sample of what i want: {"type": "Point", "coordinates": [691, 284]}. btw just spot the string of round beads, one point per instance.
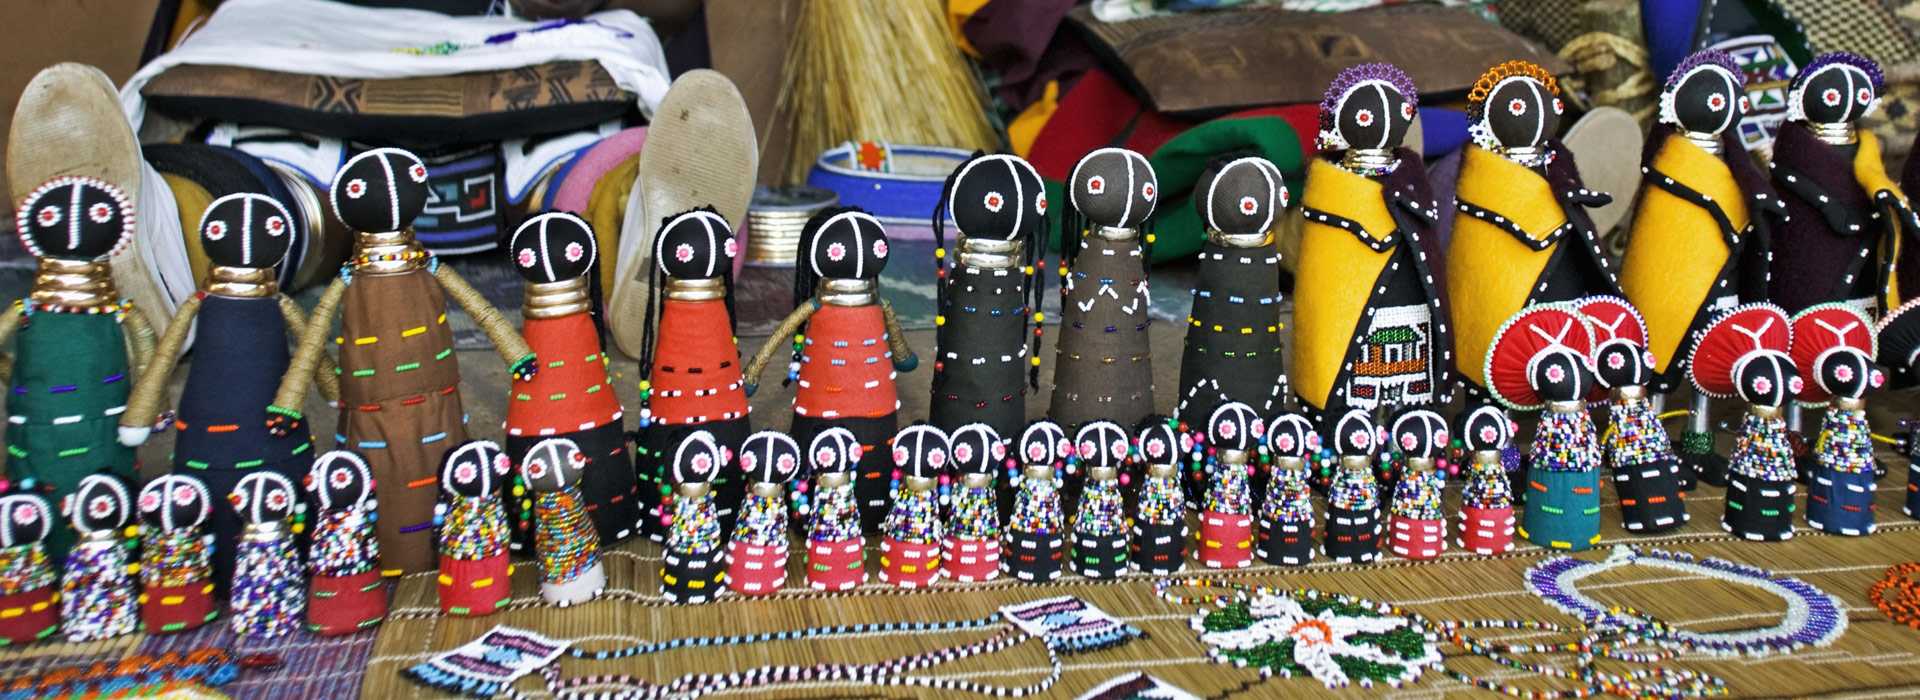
{"type": "Point", "coordinates": [1897, 594]}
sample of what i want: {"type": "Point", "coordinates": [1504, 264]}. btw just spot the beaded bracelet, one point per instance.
{"type": "Point", "coordinates": [1903, 605]}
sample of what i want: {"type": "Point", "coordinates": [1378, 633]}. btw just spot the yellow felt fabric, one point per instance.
{"type": "Point", "coordinates": [1675, 251]}
{"type": "Point", "coordinates": [1335, 276]}
{"type": "Point", "coordinates": [1872, 176]}
{"type": "Point", "coordinates": [606, 209]}
{"type": "Point", "coordinates": [1490, 275]}
{"type": "Point", "coordinates": [958, 12]}
{"type": "Point", "coordinates": [1025, 129]}
{"type": "Point", "coordinates": [191, 200]}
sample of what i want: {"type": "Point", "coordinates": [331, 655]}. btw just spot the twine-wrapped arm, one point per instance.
{"type": "Point", "coordinates": [150, 390]}
{"type": "Point", "coordinates": [9, 325]}
{"type": "Point", "coordinates": [903, 358]}
{"type": "Point", "coordinates": [306, 356]}
{"type": "Point", "coordinates": [506, 341]}
{"type": "Point", "coordinates": [323, 374]}
{"type": "Point", "coordinates": [782, 336]}
{"type": "Point", "coordinates": [140, 341]}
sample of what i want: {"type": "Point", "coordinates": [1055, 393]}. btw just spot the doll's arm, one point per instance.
{"type": "Point", "coordinates": [903, 358]}
{"type": "Point", "coordinates": [506, 341]}
{"type": "Point", "coordinates": [143, 405]}
{"type": "Point", "coordinates": [777, 342]}
{"type": "Point", "coordinates": [1842, 220]}
{"type": "Point", "coordinates": [9, 325]}
{"type": "Point", "coordinates": [284, 414]}
{"type": "Point", "coordinates": [324, 373]}
{"type": "Point", "coordinates": [140, 341]}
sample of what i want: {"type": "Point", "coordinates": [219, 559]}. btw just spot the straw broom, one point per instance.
{"type": "Point", "coordinates": [885, 70]}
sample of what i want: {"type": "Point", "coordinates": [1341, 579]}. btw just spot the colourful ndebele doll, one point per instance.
{"type": "Point", "coordinates": [1833, 349]}
{"type": "Point", "coordinates": [475, 574]}
{"type": "Point", "coordinates": [1898, 335]}
{"type": "Point", "coordinates": [1539, 362]}
{"type": "Point", "coordinates": [836, 551]}
{"type": "Point", "coordinates": [247, 323]}
{"type": "Point", "coordinates": [1100, 521]}
{"type": "Point", "coordinates": [910, 540]}
{"type": "Point", "coordinates": [692, 377]}
{"type": "Point", "coordinates": [757, 552]}
{"type": "Point", "coordinates": [1286, 516]}
{"type": "Point", "coordinates": [1700, 238]}
{"type": "Point", "coordinates": [1646, 474]}
{"type": "Point", "coordinates": [1416, 529]}
{"type": "Point", "coordinates": [269, 592]}
{"type": "Point", "coordinates": [29, 594]}
{"type": "Point", "coordinates": [989, 290]}
{"type": "Point", "coordinates": [71, 363]}
{"type": "Point", "coordinates": [1232, 349]}
{"type": "Point", "coordinates": [970, 548]}
{"type": "Point", "coordinates": [1522, 235]}
{"type": "Point", "coordinates": [97, 587]}
{"type": "Point", "coordinates": [572, 396]}
{"type": "Point", "coordinates": [1744, 354]}
{"type": "Point", "coordinates": [1103, 369]}
{"type": "Point", "coordinates": [176, 569]}
{"type": "Point", "coordinates": [1160, 531]}
{"type": "Point", "coordinates": [1370, 327]}
{"type": "Point", "coordinates": [1036, 531]}
{"type": "Point", "coordinates": [347, 594]}
{"type": "Point", "coordinates": [693, 567]}
{"type": "Point", "coordinates": [564, 538]}
{"type": "Point", "coordinates": [1234, 433]}
{"type": "Point", "coordinates": [1353, 496]}
{"type": "Point", "coordinates": [847, 346]}
{"type": "Point", "coordinates": [1486, 501]}
{"type": "Point", "coordinates": [400, 401]}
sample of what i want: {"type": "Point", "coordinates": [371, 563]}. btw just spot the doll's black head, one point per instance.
{"type": "Point", "coordinates": [1235, 426]}
{"type": "Point", "coordinates": [1160, 443]}
{"type": "Point", "coordinates": [100, 503]}
{"type": "Point", "coordinates": [1044, 442]}
{"type": "Point", "coordinates": [1114, 187]}
{"type": "Point", "coordinates": [1705, 94]}
{"type": "Point", "coordinates": [1621, 362]}
{"type": "Point", "coordinates": [1846, 372]}
{"type": "Point", "coordinates": [1369, 106]}
{"type": "Point", "coordinates": [75, 218]}
{"type": "Point", "coordinates": [1291, 435]}
{"type": "Point", "coordinates": [770, 456]}
{"type": "Point", "coordinates": [474, 469]}
{"type": "Point", "coordinates": [1486, 428]}
{"type": "Point", "coordinates": [175, 502]}
{"type": "Point", "coordinates": [245, 229]}
{"type": "Point", "coordinates": [1765, 378]}
{"type": "Point", "coordinates": [1240, 195]}
{"type": "Point", "coordinates": [697, 244]}
{"type": "Point", "coordinates": [833, 450]}
{"type": "Point", "coordinates": [264, 497]}
{"type": "Point", "coordinates": [1355, 435]}
{"type": "Point", "coordinates": [697, 459]}
{"type": "Point", "coordinates": [1558, 373]}
{"type": "Point", "coordinates": [996, 196]}
{"type": "Point", "coordinates": [977, 449]}
{"type": "Point", "coordinates": [1102, 443]}
{"type": "Point", "coordinates": [380, 190]}
{"type": "Point", "coordinates": [552, 247]}
{"type": "Point", "coordinates": [844, 243]}
{"type": "Point", "coordinates": [921, 451]}
{"type": "Point", "coordinates": [553, 464]}
{"type": "Point", "coordinates": [1836, 88]}
{"type": "Point", "coordinates": [1419, 433]}
{"type": "Point", "coordinates": [24, 519]}
{"type": "Point", "coordinates": [339, 480]}
{"type": "Point", "coordinates": [1515, 105]}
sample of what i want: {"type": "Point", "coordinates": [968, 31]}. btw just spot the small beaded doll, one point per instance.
{"type": "Point", "coordinates": [1100, 522]}
{"type": "Point", "coordinates": [1699, 240]}
{"type": "Point", "coordinates": [1486, 502]}
{"type": "Point", "coordinates": [1353, 497]}
{"type": "Point", "coordinates": [836, 551]}
{"type": "Point", "coordinates": [1104, 369]}
{"type": "Point", "coordinates": [693, 567]}
{"type": "Point", "coordinates": [1898, 335]}
{"type": "Point", "coordinates": [97, 590]}
{"type": "Point", "coordinates": [220, 437]}
{"type": "Point", "coordinates": [69, 372]}
{"type": "Point", "coordinates": [910, 546]}
{"type": "Point", "coordinates": [1646, 474]}
{"type": "Point", "coordinates": [847, 346]}
{"type": "Point", "coordinates": [29, 610]}
{"type": "Point", "coordinates": [970, 551]}
{"type": "Point", "coordinates": [757, 552]}
{"type": "Point", "coordinates": [1744, 354]}
{"type": "Point", "coordinates": [1416, 529]}
{"type": "Point", "coordinates": [1286, 516]}
{"type": "Point", "coordinates": [572, 397]}
{"type": "Point", "coordinates": [1833, 344]}
{"type": "Point", "coordinates": [176, 570]}
{"type": "Point", "coordinates": [1539, 360]}
{"type": "Point", "coordinates": [1160, 531]}
{"type": "Point", "coordinates": [990, 289]}
{"type": "Point", "coordinates": [691, 373]}
{"type": "Point", "coordinates": [1232, 348]}
{"type": "Point", "coordinates": [1234, 432]}
{"type": "Point", "coordinates": [1036, 531]}
{"type": "Point", "coordinates": [564, 539]}
{"type": "Point", "coordinates": [269, 591]}
{"type": "Point", "coordinates": [400, 400]}
{"type": "Point", "coordinates": [475, 574]}
{"type": "Point", "coordinates": [347, 594]}
{"type": "Point", "coordinates": [1370, 330]}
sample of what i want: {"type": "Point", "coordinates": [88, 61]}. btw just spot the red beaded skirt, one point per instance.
{"type": "Point", "coordinates": [346, 604]}
{"type": "Point", "coordinates": [909, 564]}
{"type": "Point", "coordinates": [1226, 540]}
{"type": "Point", "coordinates": [474, 587]}
{"type": "Point", "coordinates": [836, 566]}
{"type": "Point", "coordinates": [169, 609]}
{"type": "Point", "coordinates": [29, 616]}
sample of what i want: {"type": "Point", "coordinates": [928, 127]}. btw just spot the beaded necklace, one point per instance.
{"type": "Point", "coordinates": [343, 543]}
{"type": "Point", "coordinates": [24, 568]}
{"type": "Point", "coordinates": [171, 558]}
{"type": "Point", "coordinates": [473, 529]}
{"type": "Point", "coordinates": [1898, 594]}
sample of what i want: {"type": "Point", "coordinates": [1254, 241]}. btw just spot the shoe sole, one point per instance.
{"type": "Point", "coordinates": [701, 151]}
{"type": "Point", "coordinates": [1606, 145]}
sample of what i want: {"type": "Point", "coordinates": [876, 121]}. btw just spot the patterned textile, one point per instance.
{"type": "Point", "coordinates": [1864, 27]}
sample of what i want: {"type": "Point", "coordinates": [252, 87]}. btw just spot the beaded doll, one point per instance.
{"type": "Point", "coordinates": [475, 574]}
{"type": "Point", "coordinates": [1036, 531]}
{"type": "Point", "coordinates": [1353, 497]}
{"type": "Point", "coordinates": [176, 572]}
{"type": "Point", "coordinates": [836, 551]}
{"type": "Point", "coordinates": [989, 290]}
{"type": "Point", "coordinates": [1100, 521]}
{"type": "Point", "coordinates": [1104, 369]}
{"type": "Point", "coordinates": [1646, 474]}
{"type": "Point", "coordinates": [691, 374]}
{"type": "Point", "coordinates": [97, 590]}
{"type": "Point", "coordinates": [1744, 353]}
{"type": "Point", "coordinates": [1833, 344]}
{"type": "Point", "coordinates": [1486, 501]}
{"type": "Point", "coordinates": [1370, 329]}
{"type": "Point", "coordinates": [268, 592]}
{"type": "Point", "coordinates": [757, 552]}
{"type": "Point", "coordinates": [847, 346]}
{"type": "Point", "coordinates": [1234, 432]}
{"type": "Point", "coordinates": [347, 594]}
{"type": "Point", "coordinates": [1416, 529]}
{"type": "Point", "coordinates": [910, 545]}
{"type": "Point", "coordinates": [971, 549]}
{"type": "Point", "coordinates": [572, 397]}
{"type": "Point", "coordinates": [1160, 531]}
{"type": "Point", "coordinates": [564, 539]}
{"type": "Point", "coordinates": [1286, 516]}
{"type": "Point", "coordinates": [69, 373]}
{"type": "Point", "coordinates": [29, 610]}
{"type": "Point", "coordinates": [1539, 360]}
{"type": "Point", "coordinates": [1522, 235]}
{"type": "Point", "coordinates": [693, 567]}
{"type": "Point", "coordinates": [1232, 348]}
{"type": "Point", "coordinates": [1699, 242]}
{"type": "Point", "coordinates": [399, 380]}
{"type": "Point", "coordinates": [1898, 335]}
{"type": "Point", "coordinates": [231, 381]}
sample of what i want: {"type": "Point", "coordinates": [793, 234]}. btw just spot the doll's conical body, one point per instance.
{"type": "Point", "coordinates": [970, 548]}
{"type": "Point", "coordinates": [1539, 361]}
{"type": "Point", "coordinates": [757, 551]}
{"type": "Point", "coordinates": [1100, 522]}
{"type": "Point", "coordinates": [1646, 474]}
{"type": "Point", "coordinates": [348, 594]}
{"type": "Point", "coordinates": [473, 531]}
{"type": "Point", "coordinates": [1232, 349]}
{"type": "Point", "coordinates": [836, 551]}
{"type": "Point", "coordinates": [1833, 349]}
{"type": "Point", "coordinates": [985, 355]}
{"type": "Point", "coordinates": [693, 567]}
{"type": "Point", "coordinates": [269, 592]}
{"type": "Point", "coordinates": [1036, 534]}
{"type": "Point", "coordinates": [1353, 497]}
{"type": "Point", "coordinates": [1225, 540]}
{"type": "Point", "coordinates": [1744, 354]}
{"type": "Point", "coordinates": [1898, 335]}
{"type": "Point", "coordinates": [97, 587]}
{"type": "Point", "coordinates": [1416, 529]}
{"type": "Point", "coordinates": [1103, 368]}
{"type": "Point", "coordinates": [910, 540]}
{"type": "Point", "coordinates": [1160, 532]}
{"type": "Point", "coordinates": [1286, 515]}
{"type": "Point", "coordinates": [29, 587]}
{"type": "Point", "coordinates": [564, 538]}
{"type": "Point", "coordinates": [1486, 501]}
{"type": "Point", "coordinates": [176, 571]}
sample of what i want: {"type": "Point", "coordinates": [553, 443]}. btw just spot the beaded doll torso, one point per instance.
{"type": "Point", "coordinates": [979, 374]}
{"type": "Point", "coordinates": [70, 386]}
{"type": "Point", "coordinates": [1232, 348]}
{"type": "Point", "coordinates": [1104, 370]}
